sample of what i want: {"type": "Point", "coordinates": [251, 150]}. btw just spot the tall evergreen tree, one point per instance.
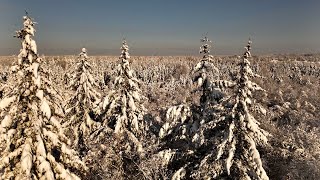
{"type": "Point", "coordinates": [122, 108]}
{"type": "Point", "coordinates": [179, 133]}
{"type": "Point", "coordinates": [223, 120]}
{"type": "Point", "coordinates": [205, 71]}
{"type": "Point", "coordinates": [122, 130]}
{"type": "Point", "coordinates": [236, 131]}
{"type": "Point", "coordinates": [80, 106]}
{"type": "Point", "coordinates": [32, 143]}
{"type": "Point", "coordinates": [187, 118]}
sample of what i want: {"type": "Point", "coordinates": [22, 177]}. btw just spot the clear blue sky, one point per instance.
{"type": "Point", "coordinates": [164, 27]}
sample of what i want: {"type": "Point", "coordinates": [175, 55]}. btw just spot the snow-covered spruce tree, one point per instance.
{"type": "Point", "coordinates": [208, 82]}
{"type": "Point", "coordinates": [32, 143]}
{"type": "Point", "coordinates": [79, 107]}
{"type": "Point", "coordinates": [179, 117]}
{"type": "Point", "coordinates": [123, 128]}
{"type": "Point", "coordinates": [236, 131]}
{"type": "Point", "coordinates": [122, 107]}
{"type": "Point", "coordinates": [184, 119]}
{"type": "Point", "coordinates": [178, 136]}
{"type": "Point", "coordinates": [204, 74]}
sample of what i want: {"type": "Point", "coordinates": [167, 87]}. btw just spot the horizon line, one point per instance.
{"type": "Point", "coordinates": [182, 55]}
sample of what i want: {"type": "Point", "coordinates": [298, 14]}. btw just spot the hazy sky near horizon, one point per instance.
{"type": "Point", "coordinates": [164, 27]}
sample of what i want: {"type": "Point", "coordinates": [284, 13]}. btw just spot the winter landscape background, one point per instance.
{"type": "Point", "coordinates": [121, 90]}
{"type": "Point", "coordinates": [292, 103]}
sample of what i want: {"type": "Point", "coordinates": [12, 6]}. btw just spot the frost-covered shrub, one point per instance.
{"type": "Point", "coordinates": [79, 108]}
{"type": "Point", "coordinates": [32, 143]}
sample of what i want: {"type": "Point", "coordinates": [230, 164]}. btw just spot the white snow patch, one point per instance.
{"type": "Point", "coordinates": [6, 102]}
{"type": "Point", "coordinates": [45, 109]}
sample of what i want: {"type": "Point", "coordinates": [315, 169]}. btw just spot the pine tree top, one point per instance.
{"type": "Point", "coordinates": [205, 49]}
{"type": "Point", "coordinates": [83, 55]}
{"type": "Point", "coordinates": [28, 28]}
{"type": "Point", "coordinates": [124, 51]}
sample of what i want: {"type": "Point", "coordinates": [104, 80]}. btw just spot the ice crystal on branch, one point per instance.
{"type": "Point", "coordinates": [80, 106]}
{"type": "Point", "coordinates": [32, 144]}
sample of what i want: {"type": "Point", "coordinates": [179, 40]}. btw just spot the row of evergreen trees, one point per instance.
{"type": "Point", "coordinates": [40, 138]}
